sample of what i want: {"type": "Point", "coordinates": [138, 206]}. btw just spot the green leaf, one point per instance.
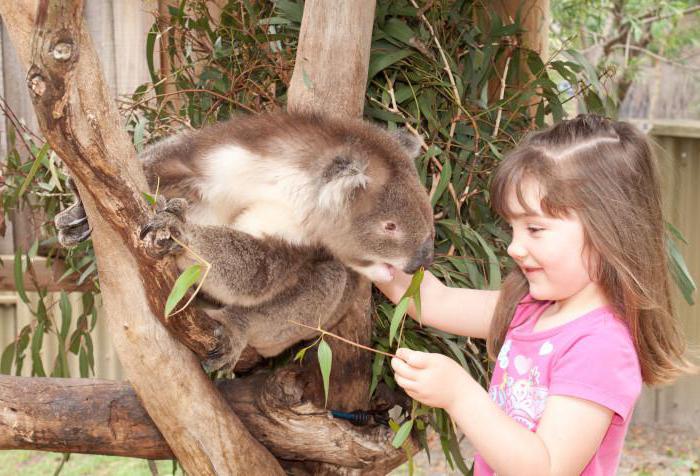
{"type": "Point", "coordinates": [402, 434]}
{"type": "Point", "coordinates": [19, 276]}
{"type": "Point", "coordinates": [456, 351]}
{"type": "Point", "coordinates": [494, 265]}
{"type": "Point", "coordinates": [22, 344]}
{"type": "Point", "coordinates": [187, 279]}
{"type": "Point", "coordinates": [457, 457]}
{"type": "Point", "coordinates": [66, 314]}
{"type": "Point", "coordinates": [445, 177]}
{"type": "Point", "coordinates": [325, 359]}
{"type": "Point", "coordinates": [35, 168]}
{"type": "Point", "coordinates": [418, 307]}
{"type": "Point", "coordinates": [376, 369]}
{"type": "Point", "coordinates": [382, 60]}
{"type": "Point", "coordinates": [680, 272]}
{"type": "Point", "coordinates": [416, 280]}
{"type": "Point", "coordinates": [300, 355]}
{"type": "Point", "coordinates": [8, 356]}
{"type": "Point", "coordinates": [34, 249]}
{"type": "Point", "coordinates": [534, 62]}
{"type": "Point", "coordinates": [399, 313]}
{"type": "Point", "coordinates": [290, 10]}
{"type": "Point", "coordinates": [591, 72]}
{"type": "Point", "coordinates": [83, 360]}
{"type": "Point", "coordinates": [676, 233]}
{"type": "Point", "coordinates": [151, 38]}
{"type": "Point", "coordinates": [37, 341]}
{"type": "Point", "coordinates": [399, 30]}
{"type": "Point", "coordinates": [149, 198]}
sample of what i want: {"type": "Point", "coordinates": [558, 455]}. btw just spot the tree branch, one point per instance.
{"type": "Point", "coordinates": [658, 57]}
{"type": "Point", "coordinates": [105, 417]}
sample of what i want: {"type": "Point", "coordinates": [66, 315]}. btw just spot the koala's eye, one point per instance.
{"type": "Point", "coordinates": [390, 226]}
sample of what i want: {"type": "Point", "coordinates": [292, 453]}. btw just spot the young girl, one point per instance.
{"type": "Point", "coordinates": [583, 319]}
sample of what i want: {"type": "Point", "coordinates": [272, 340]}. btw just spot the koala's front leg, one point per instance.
{"type": "Point", "coordinates": [244, 270]}
{"type": "Point", "coordinates": [317, 299]}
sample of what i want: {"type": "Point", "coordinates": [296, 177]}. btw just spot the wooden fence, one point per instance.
{"type": "Point", "coordinates": [119, 28]}
{"type": "Point", "coordinates": [679, 150]}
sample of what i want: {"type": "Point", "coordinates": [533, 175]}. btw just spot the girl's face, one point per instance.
{"type": "Point", "coordinates": [549, 250]}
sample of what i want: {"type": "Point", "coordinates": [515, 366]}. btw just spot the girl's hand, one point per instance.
{"type": "Point", "coordinates": [432, 379]}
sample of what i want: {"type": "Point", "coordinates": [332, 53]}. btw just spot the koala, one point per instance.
{"type": "Point", "coordinates": [290, 209]}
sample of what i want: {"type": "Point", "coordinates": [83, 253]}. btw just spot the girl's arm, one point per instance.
{"type": "Point", "coordinates": [568, 434]}
{"type": "Point", "coordinates": [466, 312]}
{"type": "Point", "coordinates": [567, 437]}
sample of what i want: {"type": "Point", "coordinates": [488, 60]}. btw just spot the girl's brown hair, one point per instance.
{"type": "Point", "coordinates": [606, 173]}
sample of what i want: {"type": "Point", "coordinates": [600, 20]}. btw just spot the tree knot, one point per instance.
{"type": "Point", "coordinates": [36, 82]}
{"type": "Point", "coordinates": [62, 51]}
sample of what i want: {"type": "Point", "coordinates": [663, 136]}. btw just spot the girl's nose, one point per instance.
{"type": "Point", "coordinates": [516, 250]}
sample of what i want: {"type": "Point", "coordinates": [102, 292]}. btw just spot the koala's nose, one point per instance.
{"type": "Point", "coordinates": [424, 257]}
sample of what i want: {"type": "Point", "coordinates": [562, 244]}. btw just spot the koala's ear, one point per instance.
{"type": "Point", "coordinates": [342, 177]}
{"type": "Point", "coordinates": [409, 142]}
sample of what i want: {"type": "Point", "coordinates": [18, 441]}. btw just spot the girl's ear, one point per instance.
{"type": "Point", "coordinates": [341, 179]}
{"type": "Point", "coordinates": [408, 141]}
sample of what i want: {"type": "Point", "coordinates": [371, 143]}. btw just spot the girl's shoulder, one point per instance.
{"type": "Point", "coordinates": [527, 307]}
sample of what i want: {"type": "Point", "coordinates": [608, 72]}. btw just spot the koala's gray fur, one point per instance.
{"type": "Point", "coordinates": [278, 204]}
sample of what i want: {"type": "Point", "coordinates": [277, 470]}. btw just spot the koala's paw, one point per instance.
{"type": "Point", "coordinates": [72, 225]}
{"type": "Point", "coordinates": [166, 226]}
{"type": "Point", "coordinates": [230, 344]}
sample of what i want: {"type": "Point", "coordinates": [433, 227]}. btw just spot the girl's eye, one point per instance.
{"type": "Point", "coordinates": [534, 229]}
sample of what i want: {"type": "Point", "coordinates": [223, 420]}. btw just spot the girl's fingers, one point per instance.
{"type": "Point", "coordinates": [413, 358]}
{"type": "Point", "coordinates": [405, 383]}
{"type": "Point", "coordinates": [402, 368]}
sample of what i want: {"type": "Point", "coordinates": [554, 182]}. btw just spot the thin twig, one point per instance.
{"type": "Point", "coordinates": [347, 341]}
{"type": "Point", "coordinates": [421, 14]}
{"type": "Point", "coordinates": [657, 57]}
{"type": "Point", "coordinates": [501, 96]}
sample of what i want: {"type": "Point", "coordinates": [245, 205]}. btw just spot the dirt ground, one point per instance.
{"type": "Point", "coordinates": [649, 451]}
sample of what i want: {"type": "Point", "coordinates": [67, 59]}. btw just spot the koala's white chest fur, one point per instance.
{"type": "Point", "coordinates": [272, 198]}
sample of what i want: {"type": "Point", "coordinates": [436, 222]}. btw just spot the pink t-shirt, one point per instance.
{"type": "Point", "coordinates": [592, 357]}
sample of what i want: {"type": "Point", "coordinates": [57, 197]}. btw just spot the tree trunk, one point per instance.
{"type": "Point", "coordinates": [330, 76]}
{"type": "Point", "coordinates": [105, 417]}
{"type": "Point", "coordinates": [78, 118]}
{"type": "Point", "coordinates": [535, 17]}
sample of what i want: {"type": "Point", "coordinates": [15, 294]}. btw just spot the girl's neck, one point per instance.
{"type": "Point", "coordinates": [565, 310]}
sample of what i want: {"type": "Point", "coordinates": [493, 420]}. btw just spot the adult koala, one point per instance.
{"type": "Point", "coordinates": [279, 204]}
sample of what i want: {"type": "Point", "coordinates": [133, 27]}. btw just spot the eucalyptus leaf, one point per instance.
{"type": "Point", "coordinates": [37, 342]}
{"type": "Point", "coordinates": [445, 177]}
{"type": "Point", "coordinates": [7, 358]}
{"type": "Point", "coordinates": [402, 434]}
{"type": "Point", "coordinates": [19, 276]}
{"type": "Point", "coordinates": [383, 59]}
{"type": "Point", "coordinates": [376, 370]}
{"type": "Point", "coordinates": [185, 281]}
{"type": "Point", "coordinates": [399, 314]}
{"type": "Point", "coordinates": [325, 360]}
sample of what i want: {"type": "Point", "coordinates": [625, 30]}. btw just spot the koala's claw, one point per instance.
{"type": "Point", "coordinates": [164, 228]}
{"type": "Point", "coordinates": [230, 344]}
{"type": "Point", "coordinates": [72, 225]}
